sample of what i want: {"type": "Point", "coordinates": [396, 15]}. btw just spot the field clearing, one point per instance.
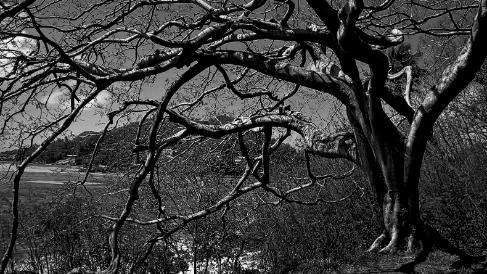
{"type": "Point", "coordinates": [6, 167]}
{"type": "Point", "coordinates": [41, 183]}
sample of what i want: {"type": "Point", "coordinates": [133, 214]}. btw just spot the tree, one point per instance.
{"type": "Point", "coordinates": [60, 58]}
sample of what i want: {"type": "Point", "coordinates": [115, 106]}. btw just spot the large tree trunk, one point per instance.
{"type": "Point", "coordinates": [395, 183]}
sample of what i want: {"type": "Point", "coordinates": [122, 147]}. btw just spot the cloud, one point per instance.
{"type": "Point", "coordinates": [61, 99]}
{"type": "Point", "coordinates": [11, 48]}
{"type": "Point", "coordinates": [103, 99]}
{"type": "Point", "coordinates": [56, 98]}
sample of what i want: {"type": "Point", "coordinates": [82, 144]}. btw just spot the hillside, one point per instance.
{"type": "Point", "coordinates": [117, 149]}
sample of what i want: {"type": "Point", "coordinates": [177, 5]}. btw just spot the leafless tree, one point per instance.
{"type": "Point", "coordinates": [261, 55]}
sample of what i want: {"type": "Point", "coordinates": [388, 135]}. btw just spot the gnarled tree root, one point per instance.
{"type": "Point", "coordinates": [378, 242]}
{"type": "Point", "coordinates": [424, 241]}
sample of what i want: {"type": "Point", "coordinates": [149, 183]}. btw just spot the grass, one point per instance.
{"type": "Point", "coordinates": [56, 183]}
{"type": "Point", "coordinates": [40, 185]}
{"type": "Point", "coordinates": [437, 262]}
{"type": "Point", "coordinates": [34, 195]}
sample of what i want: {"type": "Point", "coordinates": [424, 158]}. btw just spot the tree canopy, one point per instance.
{"type": "Point", "coordinates": [340, 74]}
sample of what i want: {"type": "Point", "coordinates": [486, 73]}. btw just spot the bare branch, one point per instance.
{"type": "Point", "coordinates": [409, 77]}
{"type": "Point", "coordinates": [12, 11]}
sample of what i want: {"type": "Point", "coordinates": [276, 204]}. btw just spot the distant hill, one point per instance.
{"type": "Point", "coordinates": [117, 150]}
{"type": "Point", "coordinates": [86, 134]}
{"type": "Point", "coordinates": [79, 148]}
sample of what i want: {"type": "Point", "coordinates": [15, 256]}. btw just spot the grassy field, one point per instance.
{"type": "Point", "coordinates": [42, 183]}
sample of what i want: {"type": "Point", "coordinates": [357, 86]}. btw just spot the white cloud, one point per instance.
{"type": "Point", "coordinates": [61, 99]}
{"type": "Point", "coordinates": [55, 98]}
{"type": "Point", "coordinates": [11, 48]}
{"type": "Point", "coordinates": [102, 100]}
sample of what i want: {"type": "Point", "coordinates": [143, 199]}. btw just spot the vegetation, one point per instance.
{"type": "Point", "coordinates": [219, 171]}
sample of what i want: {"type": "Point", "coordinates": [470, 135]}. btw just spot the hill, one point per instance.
{"type": "Point", "coordinates": [117, 149]}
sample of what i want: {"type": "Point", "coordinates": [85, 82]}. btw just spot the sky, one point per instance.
{"type": "Point", "coordinates": [93, 118]}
